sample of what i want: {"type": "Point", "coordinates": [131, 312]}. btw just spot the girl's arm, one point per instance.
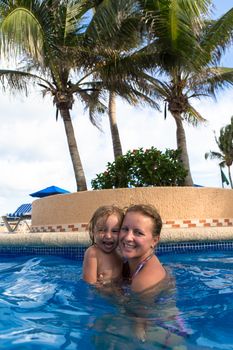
{"type": "Point", "coordinates": [90, 266]}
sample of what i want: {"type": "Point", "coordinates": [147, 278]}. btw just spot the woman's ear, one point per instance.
{"type": "Point", "coordinates": [156, 240]}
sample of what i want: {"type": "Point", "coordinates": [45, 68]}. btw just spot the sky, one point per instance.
{"type": "Point", "coordinates": [34, 152]}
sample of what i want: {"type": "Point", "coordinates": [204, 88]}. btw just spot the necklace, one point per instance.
{"type": "Point", "coordinates": [140, 265]}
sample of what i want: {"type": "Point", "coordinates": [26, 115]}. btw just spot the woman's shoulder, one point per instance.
{"type": "Point", "coordinates": [151, 274]}
{"type": "Point", "coordinates": [152, 265]}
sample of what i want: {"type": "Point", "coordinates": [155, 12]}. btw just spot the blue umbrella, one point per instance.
{"type": "Point", "coordinates": [49, 191]}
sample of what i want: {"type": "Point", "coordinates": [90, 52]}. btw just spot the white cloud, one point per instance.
{"type": "Point", "coordinates": [34, 152]}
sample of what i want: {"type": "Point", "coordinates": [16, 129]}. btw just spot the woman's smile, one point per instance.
{"type": "Point", "coordinates": [128, 246]}
{"type": "Point", "coordinates": [136, 235]}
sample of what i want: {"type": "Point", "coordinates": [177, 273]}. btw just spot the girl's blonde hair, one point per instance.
{"type": "Point", "coordinates": [104, 212]}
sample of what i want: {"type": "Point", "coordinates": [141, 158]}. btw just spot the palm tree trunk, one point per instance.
{"type": "Point", "coordinates": [116, 142]}
{"type": "Point", "coordinates": [229, 175]}
{"type": "Point", "coordinates": [75, 157]}
{"type": "Point", "coordinates": [181, 144]}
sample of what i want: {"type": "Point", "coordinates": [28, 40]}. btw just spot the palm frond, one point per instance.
{"type": "Point", "coordinates": [21, 30]}
{"type": "Point", "coordinates": [208, 81]}
{"type": "Point", "coordinates": [213, 155]}
{"type": "Point", "coordinates": [115, 22]}
{"type": "Point", "coordinates": [219, 78]}
{"type": "Point", "coordinates": [218, 36]}
{"type": "Point", "coordinates": [193, 117]}
{"type": "Point", "coordinates": [92, 102]}
{"type": "Point", "coordinates": [19, 81]}
{"type": "Point", "coordinates": [174, 27]}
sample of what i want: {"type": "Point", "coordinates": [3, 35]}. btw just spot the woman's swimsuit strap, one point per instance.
{"type": "Point", "coordinates": [141, 265]}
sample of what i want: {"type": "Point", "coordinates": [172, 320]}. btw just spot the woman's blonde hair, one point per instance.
{"type": "Point", "coordinates": [150, 211]}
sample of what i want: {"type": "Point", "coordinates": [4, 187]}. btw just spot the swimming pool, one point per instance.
{"type": "Point", "coordinates": [46, 305]}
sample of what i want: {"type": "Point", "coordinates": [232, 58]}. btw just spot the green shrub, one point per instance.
{"type": "Point", "coordinates": [139, 168]}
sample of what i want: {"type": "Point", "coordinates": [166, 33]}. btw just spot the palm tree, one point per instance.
{"type": "Point", "coordinates": [45, 34]}
{"type": "Point", "coordinates": [115, 38]}
{"type": "Point", "coordinates": [185, 51]}
{"type": "Point", "coordinates": [116, 141]}
{"type": "Point", "coordinates": [182, 56]}
{"type": "Point", "coordinates": [119, 77]}
{"type": "Point", "coordinates": [225, 145]}
{"type": "Point", "coordinates": [51, 48]}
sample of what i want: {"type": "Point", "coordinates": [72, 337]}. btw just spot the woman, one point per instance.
{"type": "Point", "coordinates": [139, 235]}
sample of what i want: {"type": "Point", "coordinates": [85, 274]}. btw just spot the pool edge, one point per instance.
{"type": "Point", "coordinates": [81, 238]}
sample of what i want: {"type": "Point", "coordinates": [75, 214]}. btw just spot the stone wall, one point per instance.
{"type": "Point", "coordinates": [184, 210]}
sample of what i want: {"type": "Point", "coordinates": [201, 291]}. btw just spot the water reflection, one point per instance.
{"type": "Point", "coordinates": [149, 321]}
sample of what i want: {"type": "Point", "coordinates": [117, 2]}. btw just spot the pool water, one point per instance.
{"type": "Point", "coordinates": [204, 296]}
{"type": "Point", "coordinates": [45, 305]}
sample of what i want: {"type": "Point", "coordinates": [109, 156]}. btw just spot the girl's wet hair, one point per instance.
{"type": "Point", "coordinates": [103, 213]}
{"type": "Point", "coordinates": [150, 211]}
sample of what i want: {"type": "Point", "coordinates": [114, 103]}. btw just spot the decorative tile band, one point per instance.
{"type": "Point", "coordinates": [174, 224]}
{"type": "Point", "coordinates": [60, 228]}
{"type": "Point", "coordinates": [198, 223]}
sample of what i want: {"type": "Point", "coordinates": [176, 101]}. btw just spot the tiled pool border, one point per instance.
{"type": "Point", "coordinates": [78, 252]}
{"type": "Point", "coordinates": [169, 224]}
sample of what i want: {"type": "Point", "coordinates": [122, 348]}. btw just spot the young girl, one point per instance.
{"type": "Point", "coordinates": [102, 263]}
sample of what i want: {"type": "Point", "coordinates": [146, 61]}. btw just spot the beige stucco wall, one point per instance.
{"type": "Point", "coordinates": [172, 202]}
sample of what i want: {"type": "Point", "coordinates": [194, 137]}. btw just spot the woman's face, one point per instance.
{"type": "Point", "coordinates": [136, 239]}
{"type": "Point", "coordinates": [106, 233]}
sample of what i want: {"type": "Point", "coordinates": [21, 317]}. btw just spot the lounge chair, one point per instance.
{"type": "Point", "coordinates": [22, 213]}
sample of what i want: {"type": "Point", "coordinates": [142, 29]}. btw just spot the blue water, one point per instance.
{"type": "Point", "coordinates": [44, 304]}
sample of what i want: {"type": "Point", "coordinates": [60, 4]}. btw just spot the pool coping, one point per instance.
{"type": "Point", "coordinates": [73, 244]}
{"type": "Point", "coordinates": [81, 238]}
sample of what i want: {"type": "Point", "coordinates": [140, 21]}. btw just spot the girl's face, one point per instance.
{"type": "Point", "coordinates": [136, 239]}
{"type": "Point", "coordinates": [106, 233]}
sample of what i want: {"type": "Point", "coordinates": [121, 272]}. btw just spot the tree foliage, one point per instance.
{"type": "Point", "coordinates": [225, 145]}
{"type": "Point", "coordinates": [185, 49]}
{"type": "Point", "coordinates": [139, 168]}
{"type": "Point", "coordinates": [46, 36]}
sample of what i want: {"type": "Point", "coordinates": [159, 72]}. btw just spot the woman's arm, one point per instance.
{"type": "Point", "coordinates": [90, 266]}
